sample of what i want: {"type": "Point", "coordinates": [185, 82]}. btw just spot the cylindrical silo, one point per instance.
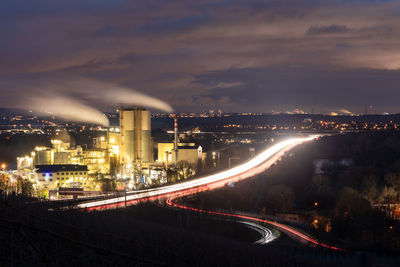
{"type": "Point", "coordinates": [44, 157]}
{"type": "Point", "coordinates": [127, 127]}
{"type": "Point", "coordinates": [145, 135]}
{"type": "Point", "coordinates": [135, 125]}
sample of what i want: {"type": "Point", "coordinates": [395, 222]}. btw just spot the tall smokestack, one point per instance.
{"type": "Point", "coordinates": [176, 139]}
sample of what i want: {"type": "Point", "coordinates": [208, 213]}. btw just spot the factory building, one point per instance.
{"type": "Point", "coordinates": [60, 153]}
{"type": "Point", "coordinates": [189, 152]}
{"type": "Point", "coordinates": [130, 149]}
{"type": "Point", "coordinates": [114, 142]}
{"type": "Point", "coordinates": [182, 149]}
{"type": "Point", "coordinates": [25, 163]}
{"type": "Point", "coordinates": [125, 153]}
{"type": "Point", "coordinates": [165, 151]}
{"type": "Point", "coordinates": [96, 159]}
{"type": "Point", "coordinates": [67, 175]}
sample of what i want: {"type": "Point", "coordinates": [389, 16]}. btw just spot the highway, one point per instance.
{"type": "Point", "coordinates": [290, 231]}
{"type": "Point", "coordinates": [250, 168]}
{"type": "Point", "coordinates": [266, 234]}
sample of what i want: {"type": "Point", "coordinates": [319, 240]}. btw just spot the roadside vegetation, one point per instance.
{"type": "Point", "coordinates": [349, 200]}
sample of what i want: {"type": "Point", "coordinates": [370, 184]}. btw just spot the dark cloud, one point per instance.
{"type": "Point", "coordinates": [308, 89]}
{"type": "Point", "coordinates": [172, 25]}
{"type": "Point", "coordinates": [70, 97]}
{"type": "Point", "coordinates": [242, 55]}
{"type": "Point", "coordinates": [332, 29]}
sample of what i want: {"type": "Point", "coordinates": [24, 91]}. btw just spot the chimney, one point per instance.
{"type": "Point", "coordinates": [176, 139]}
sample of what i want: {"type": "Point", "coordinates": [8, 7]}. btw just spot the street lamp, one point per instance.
{"type": "Point", "coordinates": [3, 166]}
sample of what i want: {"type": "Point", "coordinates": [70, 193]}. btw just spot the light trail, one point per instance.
{"type": "Point", "coordinates": [266, 234]}
{"type": "Point", "coordinates": [284, 228]}
{"type": "Point", "coordinates": [252, 167]}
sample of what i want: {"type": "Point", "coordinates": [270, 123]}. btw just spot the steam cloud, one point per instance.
{"type": "Point", "coordinates": [68, 108]}
{"type": "Point", "coordinates": [72, 98]}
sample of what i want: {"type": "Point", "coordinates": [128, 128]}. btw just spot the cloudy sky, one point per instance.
{"type": "Point", "coordinates": [247, 55]}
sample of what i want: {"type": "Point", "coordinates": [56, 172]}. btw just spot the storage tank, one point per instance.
{"type": "Point", "coordinates": [44, 157]}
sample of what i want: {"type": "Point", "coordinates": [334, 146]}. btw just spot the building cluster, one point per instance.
{"type": "Point", "coordinates": [64, 166]}
{"type": "Point", "coordinates": [124, 154]}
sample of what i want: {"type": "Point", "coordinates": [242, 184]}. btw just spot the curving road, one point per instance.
{"type": "Point", "coordinates": [252, 167]}
{"type": "Point", "coordinates": [266, 234]}
{"type": "Point", "coordinates": [292, 232]}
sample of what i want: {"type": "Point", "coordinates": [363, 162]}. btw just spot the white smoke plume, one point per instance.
{"type": "Point", "coordinates": [69, 109]}
{"type": "Point", "coordinates": [126, 97]}
{"type": "Point", "coordinates": [71, 98]}
{"type": "Point", "coordinates": [107, 94]}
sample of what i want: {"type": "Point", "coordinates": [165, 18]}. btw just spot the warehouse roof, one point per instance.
{"type": "Point", "coordinates": [63, 167]}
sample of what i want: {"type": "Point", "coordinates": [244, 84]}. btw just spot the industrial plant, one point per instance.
{"type": "Point", "coordinates": [123, 156]}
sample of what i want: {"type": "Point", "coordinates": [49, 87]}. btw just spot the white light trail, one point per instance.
{"type": "Point", "coordinates": [248, 169]}
{"type": "Point", "coordinates": [266, 234]}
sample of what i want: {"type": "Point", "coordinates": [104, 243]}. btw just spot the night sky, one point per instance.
{"type": "Point", "coordinates": [235, 55]}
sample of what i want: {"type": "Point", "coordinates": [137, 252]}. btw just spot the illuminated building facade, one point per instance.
{"type": "Point", "coordinates": [96, 160]}
{"type": "Point", "coordinates": [189, 152]}
{"type": "Point", "coordinates": [63, 166]}
{"type": "Point", "coordinates": [25, 163]}
{"type": "Point", "coordinates": [165, 151]}
{"type": "Point", "coordinates": [60, 153]}
{"type": "Point", "coordinates": [154, 174]}
{"type": "Point", "coordinates": [52, 177]}
{"type": "Point", "coordinates": [124, 153]}
{"type": "Point", "coordinates": [183, 148]}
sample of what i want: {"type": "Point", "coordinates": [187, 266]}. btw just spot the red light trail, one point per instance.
{"type": "Point", "coordinates": [254, 166]}
{"type": "Point", "coordinates": [282, 227]}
